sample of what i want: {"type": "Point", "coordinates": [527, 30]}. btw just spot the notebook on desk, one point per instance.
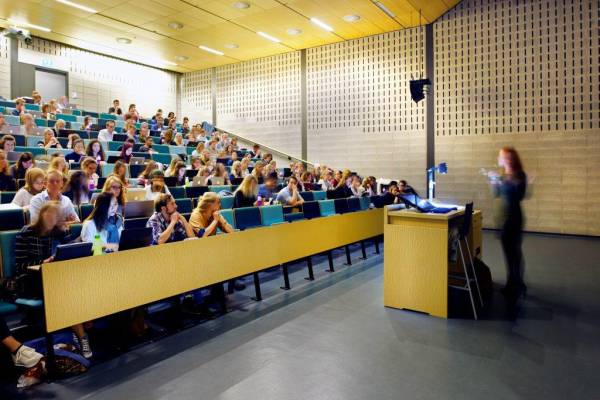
{"type": "Point", "coordinates": [413, 200]}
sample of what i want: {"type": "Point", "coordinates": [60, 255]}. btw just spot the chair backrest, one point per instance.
{"type": "Point", "coordinates": [7, 251]}
{"type": "Point", "coordinates": [178, 192]}
{"type": "Point", "coordinates": [319, 195]}
{"type": "Point", "coordinates": [229, 217]}
{"type": "Point", "coordinates": [134, 223]}
{"type": "Point", "coordinates": [227, 202]}
{"type": "Point", "coordinates": [193, 192]}
{"type": "Point", "coordinates": [377, 201]}
{"type": "Point", "coordinates": [467, 220]}
{"type": "Point", "coordinates": [291, 217]}
{"type": "Point", "coordinates": [12, 120]}
{"type": "Point", "coordinates": [307, 196]}
{"type": "Point", "coordinates": [353, 204]}
{"type": "Point", "coordinates": [11, 219]}
{"type": "Point", "coordinates": [247, 217]}
{"type": "Point", "coordinates": [310, 209]}
{"type": "Point", "coordinates": [184, 206]}
{"type": "Point", "coordinates": [36, 151]}
{"type": "Point", "coordinates": [365, 203]}
{"type": "Point", "coordinates": [135, 170]}
{"type": "Point", "coordinates": [327, 208]}
{"type": "Point", "coordinates": [161, 148]}
{"type": "Point", "coordinates": [85, 210]}
{"type": "Point", "coordinates": [107, 169]}
{"type": "Point", "coordinates": [271, 215]}
{"type": "Point", "coordinates": [341, 206]}
{"type": "Point", "coordinates": [218, 188]}
{"type": "Point", "coordinates": [162, 158]}
{"type": "Point", "coordinates": [7, 197]}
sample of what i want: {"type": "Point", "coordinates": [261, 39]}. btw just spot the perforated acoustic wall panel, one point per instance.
{"type": "Point", "coordinates": [98, 80]}
{"type": "Point", "coordinates": [196, 99]}
{"type": "Point", "coordinates": [260, 99]}
{"type": "Point", "coordinates": [360, 114]}
{"type": "Point", "coordinates": [525, 74]}
{"type": "Point", "coordinates": [4, 67]}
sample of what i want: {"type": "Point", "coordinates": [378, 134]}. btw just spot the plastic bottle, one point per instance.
{"type": "Point", "coordinates": [187, 182]}
{"type": "Point", "coordinates": [97, 246]}
{"type": "Point", "coordinates": [259, 201]}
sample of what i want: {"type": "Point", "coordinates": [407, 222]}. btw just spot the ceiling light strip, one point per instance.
{"type": "Point", "coordinates": [322, 24]}
{"type": "Point", "coordinates": [208, 49]}
{"type": "Point", "coordinates": [28, 25]}
{"type": "Point", "coordinates": [79, 6]}
{"type": "Point", "coordinates": [267, 36]}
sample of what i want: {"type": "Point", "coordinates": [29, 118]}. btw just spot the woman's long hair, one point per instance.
{"type": "Point", "coordinates": [100, 212]}
{"type": "Point", "coordinates": [77, 185]}
{"type": "Point", "coordinates": [90, 152]}
{"type": "Point", "coordinates": [246, 187]}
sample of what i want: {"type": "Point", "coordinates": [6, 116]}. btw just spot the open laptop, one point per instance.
{"type": "Point", "coordinates": [217, 180]}
{"type": "Point", "coordinates": [137, 161]}
{"type": "Point", "coordinates": [135, 238]}
{"type": "Point", "coordinates": [170, 181]}
{"type": "Point", "coordinates": [137, 209]}
{"type": "Point", "coordinates": [13, 155]}
{"type": "Point", "coordinates": [191, 173]}
{"type": "Point", "coordinates": [135, 194]}
{"type": "Point", "coordinates": [200, 181]}
{"type": "Point", "coordinates": [73, 250]}
{"type": "Point", "coordinates": [413, 200]}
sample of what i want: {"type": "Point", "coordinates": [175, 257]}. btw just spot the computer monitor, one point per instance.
{"type": "Point", "coordinates": [135, 238]}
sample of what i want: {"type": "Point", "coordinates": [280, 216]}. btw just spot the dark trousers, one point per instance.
{"type": "Point", "coordinates": [4, 331]}
{"type": "Point", "coordinates": [512, 238]}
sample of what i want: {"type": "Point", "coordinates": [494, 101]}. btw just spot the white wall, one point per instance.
{"type": "Point", "coordinates": [98, 80]}
{"type": "Point", "coordinates": [4, 67]}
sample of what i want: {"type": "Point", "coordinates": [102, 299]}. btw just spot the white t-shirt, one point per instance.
{"type": "Point", "coordinates": [105, 136]}
{"type": "Point", "coordinates": [89, 231]}
{"type": "Point", "coordinates": [22, 198]}
{"type": "Point", "coordinates": [66, 207]}
{"type": "Point", "coordinates": [150, 195]}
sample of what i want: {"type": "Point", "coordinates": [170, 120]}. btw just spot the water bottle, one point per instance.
{"type": "Point", "coordinates": [91, 185]}
{"type": "Point", "coordinates": [259, 201]}
{"type": "Point", "coordinates": [97, 246]}
{"type": "Point", "coordinates": [187, 182]}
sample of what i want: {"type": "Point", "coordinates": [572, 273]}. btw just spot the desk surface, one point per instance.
{"type": "Point", "coordinates": [412, 213]}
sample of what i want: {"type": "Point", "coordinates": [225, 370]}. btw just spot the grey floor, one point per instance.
{"type": "Point", "coordinates": [333, 339]}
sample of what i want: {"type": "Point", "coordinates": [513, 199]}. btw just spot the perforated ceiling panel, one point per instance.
{"type": "Point", "coordinates": [260, 99]}
{"type": "Point", "coordinates": [360, 114]}
{"type": "Point", "coordinates": [196, 99]}
{"type": "Point", "coordinates": [4, 67]}
{"type": "Point", "coordinates": [525, 74]}
{"type": "Point", "coordinates": [98, 80]}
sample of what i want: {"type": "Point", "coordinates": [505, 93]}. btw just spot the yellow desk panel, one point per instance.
{"type": "Point", "coordinates": [84, 289]}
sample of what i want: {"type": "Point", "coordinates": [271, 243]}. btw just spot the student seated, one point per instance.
{"type": "Point", "coordinates": [115, 187]}
{"type": "Point", "coordinates": [356, 187]}
{"type": "Point", "coordinates": [8, 143]}
{"type": "Point", "coordinates": [107, 134]}
{"type": "Point", "coordinates": [104, 221]}
{"type": "Point", "coordinates": [157, 185]}
{"type": "Point", "coordinates": [115, 109]}
{"type": "Point", "coordinates": [289, 195]}
{"type": "Point", "coordinates": [166, 223]}
{"type": "Point", "coordinates": [206, 217]}
{"type": "Point", "coordinates": [246, 193]}
{"type": "Point", "coordinates": [7, 183]}
{"type": "Point", "coordinates": [27, 124]}
{"type": "Point", "coordinates": [35, 181]}
{"type": "Point", "coordinates": [147, 147]}
{"type": "Point", "coordinates": [24, 162]}
{"type": "Point", "coordinates": [78, 189]}
{"type": "Point", "coordinates": [78, 152]}
{"type": "Point", "coordinates": [22, 356]}
{"type": "Point", "coordinates": [35, 244]}
{"type": "Point", "coordinates": [19, 107]}
{"type": "Point", "coordinates": [391, 195]}
{"type": "Point", "coordinates": [53, 192]}
{"type": "Point", "coordinates": [267, 189]}
{"type": "Point", "coordinates": [89, 166]}
{"type": "Point", "coordinates": [405, 188]}
{"type": "Point", "coordinates": [94, 149]}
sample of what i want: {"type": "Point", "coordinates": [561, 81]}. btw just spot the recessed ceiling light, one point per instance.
{"type": "Point", "coordinates": [182, 58]}
{"type": "Point", "coordinates": [217, 52]}
{"type": "Point", "coordinates": [240, 5]}
{"type": "Point", "coordinates": [123, 40]}
{"type": "Point", "coordinates": [232, 45]}
{"type": "Point", "coordinates": [321, 24]}
{"type": "Point", "coordinates": [385, 9]}
{"type": "Point", "coordinates": [80, 6]}
{"type": "Point", "coordinates": [294, 31]}
{"type": "Point", "coordinates": [351, 18]}
{"type": "Point", "coordinates": [28, 25]}
{"type": "Point", "coordinates": [175, 25]}
{"type": "Point", "coordinates": [267, 36]}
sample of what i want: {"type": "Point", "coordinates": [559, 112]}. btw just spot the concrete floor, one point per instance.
{"type": "Point", "coordinates": [333, 339]}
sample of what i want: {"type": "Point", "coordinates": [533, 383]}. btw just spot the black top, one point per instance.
{"type": "Point", "coordinates": [239, 200]}
{"type": "Point", "coordinates": [7, 183]}
{"type": "Point", "coordinates": [388, 198]}
{"type": "Point", "coordinates": [17, 173]}
{"type": "Point", "coordinates": [112, 110]}
{"type": "Point", "coordinates": [512, 191]}
{"type": "Point", "coordinates": [73, 157]}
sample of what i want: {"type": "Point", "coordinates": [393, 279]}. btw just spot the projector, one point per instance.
{"type": "Point", "coordinates": [18, 33]}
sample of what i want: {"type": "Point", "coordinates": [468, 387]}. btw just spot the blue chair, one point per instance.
{"type": "Point", "coordinates": [85, 210]}
{"type": "Point", "coordinates": [11, 219]}
{"type": "Point", "coordinates": [184, 206]}
{"type": "Point", "coordinates": [162, 158]}
{"type": "Point", "coordinates": [20, 140]}
{"type": "Point", "coordinates": [36, 151]}
{"type": "Point", "coordinates": [5, 103]}
{"type": "Point", "coordinates": [13, 120]}
{"type": "Point", "coordinates": [311, 210]}
{"type": "Point", "coordinates": [229, 217]}
{"type": "Point", "coordinates": [41, 122]}
{"type": "Point", "coordinates": [271, 215]}
{"type": "Point", "coordinates": [227, 202]}
{"type": "Point", "coordinates": [32, 107]}
{"type": "Point", "coordinates": [377, 201]}
{"type": "Point", "coordinates": [218, 188]}
{"type": "Point", "coordinates": [7, 197]}
{"type": "Point", "coordinates": [341, 206]}
{"type": "Point", "coordinates": [365, 203]}
{"type": "Point", "coordinates": [178, 192]}
{"type": "Point", "coordinates": [296, 216]}
{"type": "Point", "coordinates": [193, 192]}
{"type": "Point", "coordinates": [327, 208]}
{"type": "Point", "coordinates": [67, 117]}
{"type": "Point", "coordinates": [307, 196]}
{"type": "Point", "coordinates": [107, 169]}
{"type": "Point", "coordinates": [161, 148]}
{"type": "Point", "coordinates": [353, 204]}
{"type": "Point", "coordinates": [319, 195]}
{"type": "Point", "coordinates": [247, 217]}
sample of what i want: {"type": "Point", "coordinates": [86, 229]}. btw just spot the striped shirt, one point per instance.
{"type": "Point", "coordinates": [33, 249]}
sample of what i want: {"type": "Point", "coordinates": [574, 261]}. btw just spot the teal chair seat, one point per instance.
{"type": "Point", "coordinates": [36, 151]}
{"type": "Point", "coordinates": [162, 158]}
{"type": "Point", "coordinates": [40, 122]}
{"type": "Point", "coordinates": [114, 146]}
{"type": "Point", "coordinates": [319, 195]}
{"type": "Point", "coordinates": [7, 308]}
{"type": "Point", "coordinates": [67, 117]}
{"type": "Point", "coordinates": [227, 202]}
{"type": "Point", "coordinates": [177, 192]}
{"type": "Point", "coordinates": [7, 251]}
{"type": "Point", "coordinates": [228, 215]}
{"type": "Point", "coordinates": [219, 188]}
{"type": "Point", "coordinates": [160, 148]}
{"type": "Point", "coordinates": [327, 207]}
{"type": "Point", "coordinates": [33, 303]}
{"type": "Point", "coordinates": [365, 202]}
{"type": "Point", "coordinates": [12, 120]}
{"type": "Point", "coordinates": [7, 197]}
{"type": "Point", "coordinates": [271, 215]}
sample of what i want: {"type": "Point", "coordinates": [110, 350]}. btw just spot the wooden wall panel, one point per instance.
{"type": "Point", "coordinates": [524, 74]}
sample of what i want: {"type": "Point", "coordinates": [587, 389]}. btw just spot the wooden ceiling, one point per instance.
{"type": "Point", "coordinates": [212, 23]}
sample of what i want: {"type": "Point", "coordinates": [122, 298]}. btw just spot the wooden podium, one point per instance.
{"type": "Point", "coordinates": [416, 258]}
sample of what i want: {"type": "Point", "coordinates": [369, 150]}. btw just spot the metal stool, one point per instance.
{"type": "Point", "coordinates": [463, 236]}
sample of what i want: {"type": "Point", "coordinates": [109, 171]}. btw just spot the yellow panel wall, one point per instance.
{"type": "Point", "coordinates": [524, 74]}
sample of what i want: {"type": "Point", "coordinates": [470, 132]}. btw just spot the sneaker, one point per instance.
{"type": "Point", "coordinates": [26, 357]}
{"type": "Point", "coordinates": [32, 376]}
{"type": "Point", "coordinates": [85, 348]}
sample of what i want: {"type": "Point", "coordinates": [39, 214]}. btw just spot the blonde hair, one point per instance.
{"type": "Point", "coordinates": [31, 176]}
{"type": "Point", "coordinates": [54, 166]}
{"type": "Point", "coordinates": [234, 168]}
{"type": "Point", "coordinates": [207, 200]}
{"type": "Point", "coordinates": [246, 186]}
